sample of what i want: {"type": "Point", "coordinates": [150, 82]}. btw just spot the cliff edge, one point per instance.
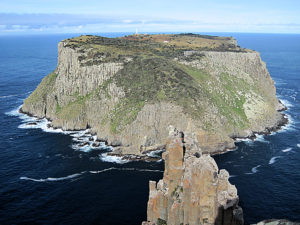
{"type": "Point", "coordinates": [128, 90]}
{"type": "Point", "coordinates": [193, 191]}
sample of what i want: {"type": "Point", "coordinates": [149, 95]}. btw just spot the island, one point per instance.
{"type": "Point", "coordinates": [128, 90]}
{"type": "Point", "coordinates": [187, 94]}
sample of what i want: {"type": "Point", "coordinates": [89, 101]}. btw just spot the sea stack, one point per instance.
{"type": "Point", "coordinates": [193, 190]}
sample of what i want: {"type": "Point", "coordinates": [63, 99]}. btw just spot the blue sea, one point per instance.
{"type": "Point", "coordinates": [45, 178]}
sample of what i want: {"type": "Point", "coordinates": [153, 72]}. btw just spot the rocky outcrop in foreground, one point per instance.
{"type": "Point", "coordinates": [193, 190]}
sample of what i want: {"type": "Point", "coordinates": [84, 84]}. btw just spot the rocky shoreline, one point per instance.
{"type": "Point", "coordinates": [144, 156]}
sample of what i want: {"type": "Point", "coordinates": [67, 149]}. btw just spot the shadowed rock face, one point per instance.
{"type": "Point", "coordinates": [193, 190]}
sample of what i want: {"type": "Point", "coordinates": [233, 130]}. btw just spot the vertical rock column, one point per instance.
{"type": "Point", "coordinates": [193, 191]}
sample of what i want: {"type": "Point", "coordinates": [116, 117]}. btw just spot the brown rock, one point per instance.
{"type": "Point", "coordinates": [193, 191]}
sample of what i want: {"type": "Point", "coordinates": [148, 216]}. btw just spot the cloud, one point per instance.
{"type": "Point", "coordinates": [77, 23]}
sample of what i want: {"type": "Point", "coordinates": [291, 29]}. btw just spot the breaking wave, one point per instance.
{"type": "Point", "coordinates": [75, 175]}
{"type": "Point", "coordinates": [51, 179]}
{"type": "Point", "coordinates": [14, 95]}
{"type": "Point", "coordinates": [113, 159]}
{"type": "Point", "coordinates": [254, 170]}
{"type": "Point", "coordinates": [287, 150]}
{"type": "Point", "coordinates": [286, 103]}
{"type": "Point", "coordinates": [82, 140]}
{"type": "Point", "coordinates": [156, 153]}
{"type": "Point", "coordinates": [274, 159]}
{"type": "Point", "coordinates": [261, 138]}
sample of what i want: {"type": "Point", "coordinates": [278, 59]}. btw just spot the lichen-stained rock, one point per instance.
{"type": "Point", "coordinates": [193, 191]}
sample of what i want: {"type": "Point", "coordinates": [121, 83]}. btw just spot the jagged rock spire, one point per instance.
{"type": "Point", "coordinates": [193, 191]}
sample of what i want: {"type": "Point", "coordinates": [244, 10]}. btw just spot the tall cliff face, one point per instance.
{"type": "Point", "coordinates": [193, 191]}
{"type": "Point", "coordinates": [128, 90]}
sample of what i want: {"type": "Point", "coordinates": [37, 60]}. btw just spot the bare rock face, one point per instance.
{"type": "Point", "coordinates": [193, 190]}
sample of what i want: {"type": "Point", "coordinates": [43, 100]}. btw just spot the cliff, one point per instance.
{"type": "Point", "coordinates": [193, 191]}
{"type": "Point", "coordinates": [129, 89]}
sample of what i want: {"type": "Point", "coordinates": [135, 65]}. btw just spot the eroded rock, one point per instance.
{"type": "Point", "coordinates": [193, 191]}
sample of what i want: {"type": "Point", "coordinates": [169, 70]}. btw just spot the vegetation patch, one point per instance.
{"type": "Point", "coordinates": [44, 88]}
{"type": "Point", "coordinates": [73, 109]}
{"type": "Point", "coordinates": [152, 80]}
{"type": "Point", "coordinates": [96, 49]}
{"type": "Point", "coordinates": [161, 222]}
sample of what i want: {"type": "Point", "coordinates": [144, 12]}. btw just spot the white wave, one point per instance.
{"type": "Point", "coordinates": [273, 159]}
{"type": "Point", "coordinates": [154, 153]}
{"type": "Point", "coordinates": [298, 145]}
{"type": "Point", "coordinates": [254, 169]}
{"type": "Point", "coordinates": [243, 140]}
{"type": "Point", "coordinates": [101, 171]}
{"type": "Point", "coordinates": [261, 138]}
{"type": "Point", "coordinates": [14, 112]}
{"type": "Point", "coordinates": [279, 82]}
{"type": "Point", "coordinates": [231, 176]}
{"type": "Point", "coordinates": [85, 145]}
{"type": "Point", "coordinates": [9, 96]}
{"type": "Point", "coordinates": [287, 150]}
{"type": "Point", "coordinates": [85, 148]}
{"type": "Point", "coordinates": [113, 159]}
{"type": "Point", "coordinates": [286, 103]}
{"type": "Point", "coordinates": [81, 136]}
{"type": "Point", "coordinates": [249, 141]}
{"type": "Point", "coordinates": [51, 179]}
{"type": "Point", "coordinates": [81, 133]}
{"type": "Point", "coordinates": [290, 126]}
{"type": "Point", "coordinates": [148, 170]}
{"type": "Point", "coordinates": [126, 169]}
{"type": "Point", "coordinates": [27, 122]}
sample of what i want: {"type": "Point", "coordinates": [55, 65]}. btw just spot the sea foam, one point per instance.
{"type": "Point", "coordinates": [274, 159]}
{"type": "Point", "coordinates": [51, 179]}
{"type": "Point", "coordinates": [80, 138]}
{"type": "Point", "coordinates": [113, 159]}
{"type": "Point", "coordinates": [254, 169]}
{"type": "Point", "coordinates": [286, 103]}
{"type": "Point", "coordinates": [287, 150]}
{"type": "Point", "coordinates": [261, 138]}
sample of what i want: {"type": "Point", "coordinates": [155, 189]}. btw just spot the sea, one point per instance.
{"type": "Point", "coordinates": [48, 177]}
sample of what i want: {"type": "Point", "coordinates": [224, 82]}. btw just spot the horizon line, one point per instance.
{"type": "Point", "coordinates": [133, 32]}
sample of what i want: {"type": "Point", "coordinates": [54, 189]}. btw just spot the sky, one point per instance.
{"type": "Point", "coordinates": [101, 16]}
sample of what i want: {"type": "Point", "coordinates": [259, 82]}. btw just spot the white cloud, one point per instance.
{"type": "Point", "coordinates": [71, 23]}
{"type": "Point", "coordinates": [127, 21]}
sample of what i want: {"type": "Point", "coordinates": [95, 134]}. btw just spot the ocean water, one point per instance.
{"type": "Point", "coordinates": [46, 177]}
{"type": "Point", "coordinates": [266, 172]}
